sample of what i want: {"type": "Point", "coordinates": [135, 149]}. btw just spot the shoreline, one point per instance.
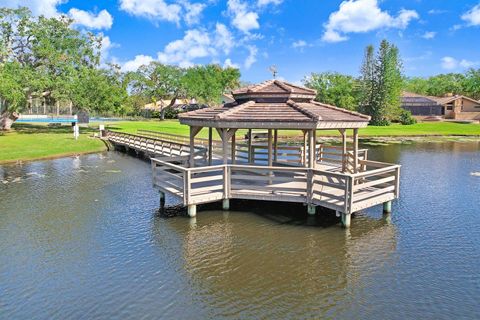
{"type": "Point", "coordinates": [380, 139]}
{"type": "Point", "coordinates": [51, 157]}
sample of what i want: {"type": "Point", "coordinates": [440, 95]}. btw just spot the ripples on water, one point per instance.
{"type": "Point", "coordinates": [80, 238]}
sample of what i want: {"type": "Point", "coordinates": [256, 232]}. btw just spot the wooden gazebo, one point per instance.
{"type": "Point", "coordinates": [274, 105]}
{"type": "Point", "coordinates": [345, 184]}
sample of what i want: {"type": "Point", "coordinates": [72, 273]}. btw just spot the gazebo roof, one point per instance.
{"type": "Point", "coordinates": [275, 105]}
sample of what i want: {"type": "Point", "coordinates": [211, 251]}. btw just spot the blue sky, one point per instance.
{"type": "Point", "coordinates": [299, 37]}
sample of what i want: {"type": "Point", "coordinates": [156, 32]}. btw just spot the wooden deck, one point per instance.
{"type": "Point", "coordinates": [343, 192]}
{"type": "Point", "coordinates": [326, 185]}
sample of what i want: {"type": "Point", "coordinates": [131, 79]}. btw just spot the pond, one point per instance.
{"type": "Point", "coordinates": [81, 238]}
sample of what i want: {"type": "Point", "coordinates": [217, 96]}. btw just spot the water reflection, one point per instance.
{"type": "Point", "coordinates": [80, 238]}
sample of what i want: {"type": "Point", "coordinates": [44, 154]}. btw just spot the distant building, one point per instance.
{"type": "Point", "coordinates": [449, 107]}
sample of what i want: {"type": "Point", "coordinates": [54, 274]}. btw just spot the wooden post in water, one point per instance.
{"type": "Point", "coordinates": [162, 201]}
{"type": "Point", "coordinates": [346, 220]}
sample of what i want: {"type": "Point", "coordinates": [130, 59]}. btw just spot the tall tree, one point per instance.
{"type": "Point", "coordinates": [382, 83]}
{"type": "Point", "coordinates": [335, 88]}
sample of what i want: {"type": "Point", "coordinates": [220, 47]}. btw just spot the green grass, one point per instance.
{"type": "Point", "coordinates": [395, 130]}
{"type": "Point", "coordinates": [32, 142]}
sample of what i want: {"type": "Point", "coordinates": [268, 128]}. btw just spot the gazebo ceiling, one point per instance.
{"type": "Point", "coordinates": [275, 105]}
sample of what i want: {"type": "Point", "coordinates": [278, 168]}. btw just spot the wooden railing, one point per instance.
{"type": "Point", "coordinates": [343, 192]}
{"type": "Point", "coordinates": [155, 146]}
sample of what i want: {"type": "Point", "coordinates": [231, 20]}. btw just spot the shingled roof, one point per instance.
{"type": "Point", "coordinates": [275, 104]}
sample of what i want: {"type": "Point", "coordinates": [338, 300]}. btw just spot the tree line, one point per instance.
{"type": "Point", "coordinates": [377, 91]}
{"type": "Point", "coordinates": [48, 59]}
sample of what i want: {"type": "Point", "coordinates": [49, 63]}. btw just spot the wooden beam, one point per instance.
{"type": "Point", "coordinates": [275, 145]}
{"type": "Point", "coordinates": [193, 132]}
{"type": "Point", "coordinates": [304, 153]}
{"type": "Point", "coordinates": [311, 149]}
{"type": "Point", "coordinates": [355, 150]}
{"type": "Point", "coordinates": [250, 155]}
{"type": "Point", "coordinates": [270, 159]}
{"type": "Point", "coordinates": [210, 145]}
{"type": "Point", "coordinates": [344, 149]}
{"type": "Point", "coordinates": [234, 146]}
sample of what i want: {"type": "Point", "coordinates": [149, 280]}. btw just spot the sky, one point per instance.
{"type": "Point", "coordinates": [298, 37]}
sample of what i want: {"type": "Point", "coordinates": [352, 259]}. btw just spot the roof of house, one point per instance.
{"type": "Point", "coordinates": [275, 104]}
{"type": "Point", "coordinates": [413, 99]}
{"type": "Point", "coordinates": [445, 100]}
{"type": "Point", "coordinates": [410, 99]}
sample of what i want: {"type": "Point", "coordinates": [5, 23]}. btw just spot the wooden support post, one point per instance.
{"type": "Point", "coordinates": [275, 145]}
{"type": "Point", "coordinates": [355, 150]}
{"type": "Point", "coordinates": [226, 204]}
{"type": "Point", "coordinates": [346, 220]}
{"type": "Point", "coordinates": [193, 132]}
{"type": "Point", "coordinates": [224, 137]}
{"type": "Point", "coordinates": [250, 149]}
{"type": "Point", "coordinates": [270, 159]}
{"type": "Point", "coordinates": [192, 211]}
{"type": "Point", "coordinates": [344, 149]}
{"type": "Point", "coordinates": [210, 145]}
{"type": "Point", "coordinates": [234, 149]}
{"type": "Point", "coordinates": [387, 207]}
{"type": "Point", "coordinates": [304, 153]}
{"type": "Point", "coordinates": [162, 201]}
{"type": "Point", "coordinates": [311, 149]}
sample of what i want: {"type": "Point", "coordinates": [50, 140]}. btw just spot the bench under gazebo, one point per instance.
{"type": "Point", "coordinates": [273, 169]}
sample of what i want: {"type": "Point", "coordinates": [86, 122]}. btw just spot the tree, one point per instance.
{"type": "Point", "coordinates": [208, 83]}
{"type": "Point", "coordinates": [382, 81]}
{"type": "Point", "coordinates": [471, 84]}
{"type": "Point", "coordinates": [159, 82]}
{"type": "Point", "coordinates": [40, 56]}
{"type": "Point", "coordinates": [335, 89]}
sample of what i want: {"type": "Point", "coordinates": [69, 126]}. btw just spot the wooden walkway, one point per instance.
{"type": "Point", "coordinates": [327, 185]}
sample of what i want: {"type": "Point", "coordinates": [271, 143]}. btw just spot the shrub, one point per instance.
{"type": "Point", "coordinates": [406, 118]}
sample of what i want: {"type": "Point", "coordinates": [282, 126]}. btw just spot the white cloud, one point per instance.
{"type": "Point", "coordinates": [103, 20]}
{"type": "Point", "coordinates": [137, 62]}
{"type": "Point", "coordinates": [157, 10]}
{"type": "Point", "coordinates": [223, 38]}
{"type": "Point", "coordinates": [429, 35]}
{"type": "Point", "coordinates": [357, 16]}
{"type": "Point", "coordinates": [299, 44]}
{"type": "Point", "coordinates": [252, 56]}
{"type": "Point", "coordinates": [229, 64]}
{"type": "Point", "coordinates": [195, 44]}
{"type": "Point", "coordinates": [47, 8]}
{"type": "Point", "coordinates": [472, 17]}
{"type": "Point", "coordinates": [242, 19]}
{"type": "Point", "coordinates": [450, 63]}
{"type": "Point", "coordinates": [262, 3]}
{"type": "Point", "coordinates": [193, 11]}
{"type": "Point", "coordinates": [437, 11]}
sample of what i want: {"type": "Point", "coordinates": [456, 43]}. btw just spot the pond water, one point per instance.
{"type": "Point", "coordinates": [80, 238]}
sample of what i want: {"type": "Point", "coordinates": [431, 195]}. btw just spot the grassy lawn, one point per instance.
{"type": "Point", "coordinates": [420, 129]}
{"type": "Point", "coordinates": [31, 142]}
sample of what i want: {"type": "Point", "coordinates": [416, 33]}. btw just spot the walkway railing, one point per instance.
{"type": "Point", "coordinates": [154, 146]}
{"type": "Point", "coordinates": [343, 192]}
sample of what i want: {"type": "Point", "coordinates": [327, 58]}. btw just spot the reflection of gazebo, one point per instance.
{"type": "Point", "coordinates": [338, 178]}
{"type": "Point", "coordinates": [275, 105]}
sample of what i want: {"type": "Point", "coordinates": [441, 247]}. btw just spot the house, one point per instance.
{"type": "Point", "coordinates": [451, 106]}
